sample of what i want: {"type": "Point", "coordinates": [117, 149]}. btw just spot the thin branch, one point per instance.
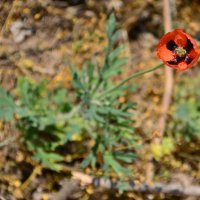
{"type": "Point", "coordinates": [167, 95]}
{"type": "Point", "coordinates": [8, 19]}
{"type": "Point", "coordinates": [69, 187]}
{"type": "Point", "coordinates": [7, 141]}
{"type": "Point", "coordinates": [2, 198]}
{"type": "Point", "coordinates": [37, 170]}
{"type": "Point", "coordinates": [168, 88]}
{"type": "Point", "coordinates": [173, 188]}
{"type": "Point", "coordinates": [23, 70]}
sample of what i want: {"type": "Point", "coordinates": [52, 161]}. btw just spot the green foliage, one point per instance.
{"type": "Point", "coordinates": [111, 160]}
{"type": "Point", "coordinates": [7, 106]}
{"type": "Point", "coordinates": [111, 121]}
{"type": "Point", "coordinates": [50, 119]}
{"type": "Point", "coordinates": [186, 121]}
{"type": "Point", "coordinates": [39, 110]}
{"type": "Point", "coordinates": [188, 113]}
{"type": "Point", "coordinates": [48, 160]}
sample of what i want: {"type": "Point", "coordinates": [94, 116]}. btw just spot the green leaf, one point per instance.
{"type": "Point", "coordinates": [23, 86]}
{"type": "Point", "coordinates": [59, 96]}
{"type": "Point", "coordinates": [23, 112]}
{"type": "Point", "coordinates": [127, 157]}
{"type": "Point", "coordinates": [49, 160]}
{"type": "Point", "coordinates": [90, 159]}
{"type": "Point", "coordinates": [111, 72]}
{"type": "Point", "coordinates": [77, 83]}
{"type": "Point", "coordinates": [46, 121]}
{"type": "Point", "coordinates": [111, 25]}
{"type": "Point", "coordinates": [115, 37]}
{"type": "Point", "coordinates": [115, 53]}
{"type": "Point", "coordinates": [120, 113]}
{"type": "Point", "coordinates": [92, 114]}
{"type": "Point", "coordinates": [7, 106]}
{"type": "Point", "coordinates": [119, 62]}
{"type": "Point", "coordinates": [73, 127]}
{"type": "Point", "coordinates": [114, 68]}
{"type": "Point", "coordinates": [90, 71]}
{"type": "Point", "coordinates": [110, 160]}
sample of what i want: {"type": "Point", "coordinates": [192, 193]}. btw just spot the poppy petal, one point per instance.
{"type": "Point", "coordinates": [165, 54]}
{"type": "Point", "coordinates": [193, 54]}
{"type": "Point", "coordinates": [180, 38]}
{"type": "Point", "coordinates": [166, 38]}
{"type": "Point", "coordinates": [174, 66]}
{"type": "Point", "coordinates": [182, 66]}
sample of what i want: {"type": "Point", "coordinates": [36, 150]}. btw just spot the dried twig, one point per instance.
{"type": "Point", "coordinates": [37, 170]}
{"type": "Point", "coordinates": [69, 187]}
{"type": "Point", "coordinates": [173, 188]}
{"type": "Point", "coordinates": [23, 70]}
{"type": "Point", "coordinates": [167, 95]}
{"type": "Point", "coordinates": [7, 141]}
{"type": "Point", "coordinates": [181, 186]}
{"type": "Point", "coordinates": [2, 198]}
{"type": "Point", "coordinates": [8, 19]}
{"type": "Point", "coordinates": [168, 72]}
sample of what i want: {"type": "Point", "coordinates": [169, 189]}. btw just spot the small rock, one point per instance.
{"type": "Point", "coordinates": [20, 31]}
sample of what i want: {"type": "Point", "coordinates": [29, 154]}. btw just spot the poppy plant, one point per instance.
{"type": "Point", "coordinates": [178, 50]}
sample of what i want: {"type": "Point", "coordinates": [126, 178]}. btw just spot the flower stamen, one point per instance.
{"type": "Point", "coordinates": [180, 52]}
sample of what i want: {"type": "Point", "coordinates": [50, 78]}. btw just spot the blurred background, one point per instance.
{"type": "Point", "coordinates": [40, 40]}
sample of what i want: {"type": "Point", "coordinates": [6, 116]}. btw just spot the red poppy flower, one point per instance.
{"type": "Point", "coordinates": [178, 50]}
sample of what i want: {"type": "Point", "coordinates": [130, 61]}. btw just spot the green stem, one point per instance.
{"type": "Point", "coordinates": [129, 78]}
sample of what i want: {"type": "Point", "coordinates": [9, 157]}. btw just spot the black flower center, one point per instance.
{"type": "Point", "coordinates": [180, 52]}
{"type": "Point", "coordinates": [171, 45]}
